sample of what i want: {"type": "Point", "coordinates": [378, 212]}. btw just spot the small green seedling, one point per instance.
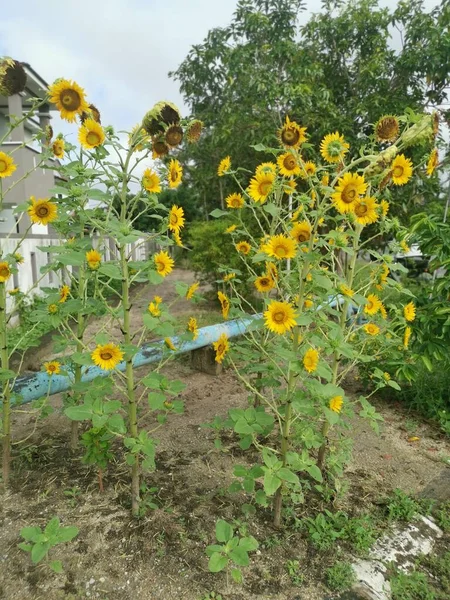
{"type": "Point", "coordinates": [232, 550]}
{"type": "Point", "coordinates": [39, 542]}
{"type": "Point", "coordinates": [295, 575]}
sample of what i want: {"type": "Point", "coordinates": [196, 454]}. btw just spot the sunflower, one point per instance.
{"type": "Point", "coordinates": [267, 167]}
{"type": "Point", "coordinates": [336, 403]}
{"type": "Point", "coordinates": [264, 283]}
{"type": "Point", "coordinates": [137, 141]}
{"type": "Point", "coordinates": [91, 134]}
{"type": "Point", "coordinates": [151, 181]}
{"type": "Point", "coordinates": [58, 148]}
{"type": "Point", "coordinates": [224, 166]}
{"type": "Point", "coordinates": [164, 264]}
{"type": "Point", "coordinates": [280, 246]}
{"type": "Point", "coordinates": [53, 309]}
{"type": "Point", "coordinates": [346, 291]}
{"type": "Point", "coordinates": [308, 169]}
{"type": "Point", "coordinates": [221, 347]}
{"type": "Point", "coordinates": [64, 293]}
{"type": "Point", "coordinates": [308, 303]}
{"type": "Point", "coordinates": [42, 211]}
{"type": "Point", "coordinates": [168, 342]}
{"type": "Point", "coordinates": [7, 166]}
{"type": "Point", "coordinates": [230, 229]}
{"type": "Point", "coordinates": [159, 148]}
{"type": "Point", "coordinates": [384, 204]}
{"type": "Point", "coordinates": [224, 303]}
{"type": "Point", "coordinates": [14, 291]}
{"type": "Point", "coordinates": [371, 329]}
{"type": "Point", "coordinates": [349, 188]}
{"type": "Point", "coordinates": [13, 78]}
{"type": "Point", "coordinates": [409, 311]}
{"type": "Point", "coordinates": [333, 147]}
{"type": "Point", "coordinates": [191, 290]}
{"type": "Point", "coordinates": [175, 173]}
{"type": "Point", "coordinates": [107, 357]}
{"type": "Point", "coordinates": [311, 360]}
{"type": "Point", "coordinates": [192, 327]}
{"type": "Point", "coordinates": [243, 247]}
{"type": "Point", "coordinates": [162, 113]}
{"type": "Point", "coordinates": [92, 113]}
{"type": "Point", "coordinates": [153, 307]}
{"type": "Point", "coordinates": [387, 129]}
{"type": "Point", "coordinates": [18, 258]}
{"type": "Point", "coordinates": [289, 186]}
{"type": "Point", "coordinates": [271, 270]}
{"type": "Point", "coordinates": [260, 186]}
{"type": "Point", "coordinates": [406, 337]}
{"type": "Point", "coordinates": [365, 210]}
{"type": "Point", "coordinates": [229, 277]}
{"type": "Point", "coordinates": [52, 367]}
{"type": "Point", "coordinates": [432, 162]}
{"type": "Point", "coordinates": [235, 201]}
{"type": "Point", "coordinates": [93, 259]}
{"type": "Point", "coordinates": [280, 317]}
{"type": "Point", "coordinates": [176, 218]}
{"type": "Point", "coordinates": [401, 170]}
{"type": "Point", "coordinates": [404, 246]}
{"type": "Point", "coordinates": [174, 135]}
{"type": "Point", "coordinates": [325, 180]}
{"type": "Point", "coordinates": [194, 131]}
{"type": "Point", "coordinates": [5, 272]}
{"type": "Point", "coordinates": [69, 99]}
{"type": "Point", "coordinates": [288, 164]}
{"type": "Point", "coordinates": [373, 304]}
{"type": "Point", "coordinates": [291, 135]}
{"type": "Point", "coordinates": [297, 213]}
{"type": "Point", "coordinates": [301, 232]}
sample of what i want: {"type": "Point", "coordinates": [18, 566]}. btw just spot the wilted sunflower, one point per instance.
{"type": "Point", "coordinates": [264, 283]}
{"type": "Point", "coordinates": [5, 272]}
{"type": "Point", "coordinates": [175, 173]}
{"type": "Point", "coordinates": [281, 247]}
{"type": "Point", "coordinates": [288, 164]}
{"type": "Point", "coordinates": [311, 360]}
{"type": "Point", "coordinates": [291, 135]}
{"type": "Point", "coordinates": [151, 181]}
{"type": "Point", "coordinates": [432, 162]}
{"type": "Point", "coordinates": [58, 148]}
{"type": "Point", "coordinates": [308, 169]}
{"type": "Point", "coordinates": [69, 99]}
{"type": "Point", "coordinates": [373, 304]}
{"type": "Point", "coordinates": [349, 188]}
{"type": "Point", "coordinates": [42, 211]}
{"type": "Point", "coordinates": [409, 311]}
{"type": "Point", "coordinates": [164, 264]}
{"type": "Point", "coordinates": [267, 167]}
{"type": "Point", "coordinates": [193, 327]}
{"type": "Point", "coordinates": [336, 403]}
{"type": "Point", "coordinates": [235, 200]}
{"type": "Point", "coordinates": [280, 317]}
{"type": "Point", "coordinates": [194, 131]}
{"type": "Point", "coordinates": [191, 290]}
{"type": "Point", "coordinates": [387, 129]}
{"type": "Point", "coordinates": [64, 293]}
{"type": "Point", "coordinates": [333, 147]}
{"type": "Point", "coordinates": [176, 218]}
{"type": "Point", "coordinates": [13, 78]}
{"type": "Point", "coordinates": [174, 135]}
{"type": "Point", "coordinates": [91, 134]}
{"type": "Point", "coordinates": [224, 166]}
{"type": "Point", "coordinates": [93, 113]}
{"type": "Point", "coordinates": [160, 148]}
{"type": "Point", "coordinates": [401, 170]}
{"type": "Point", "coordinates": [163, 113]}
{"type": "Point", "coordinates": [271, 270]}
{"type": "Point", "coordinates": [7, 165]}
{"type": "Point", "coordinates": [365, 210]}
{"type": "Point", "coordinates": [243, 247]}
{"type": "Point", "coordinates": [224, 303]}
{"type": "Point", "coordinates": [107, 356]}
{"type": "Point", "coordinates": [301, 232]}
{"type": "Point", "coordinates": [52, 367]}
{"type": "Point", "coordinates": [371, 329]}
{"type": "Point", "coordinates": [260, 186]}
{"type": "Point", "coordinates": [221, 347]}
{"type": "Point", "coordinates": [93, 259]}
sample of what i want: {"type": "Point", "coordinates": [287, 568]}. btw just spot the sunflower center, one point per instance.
{"type": "Point", "coordinates": [70, 99]}
{"type": "Point", "coordinates": [264, 282]}
{"type": "Point", "coordinates": [289, 163]}
{"type": "Point", "coordinates": [361, 210]}
{"type": "Point", "coordinates": [279, 317]}
{"type": "Point", "coordinates": [264, 187]}
{"type": "Point", "coordinates": [280, 251]}
{"type": "Point", "coordinates": [51, 368]}
{"type": "Point", "coordinates": [220, 349]}
{"type": "Point", "coordinates": [42, 211]}
{"type": "Point", "coordinates": [398, 171]}
{"type": "Point", "coordinates": [105, 355]}
{"type": "Point", "coordinates": [3, 166]}
{"type": "Point", "coordinates": [174, 137]}
{"type": "Point", "coordinates": [290, 136]}
{"type": "Point", "coordinates": [93, 138]}
{"type": "Point", "coordinates": [173, 174]}
{"type": "Point", "coordinates": [370, 305]}
{"type": "Point", "coordinates": [4, 271]}
{"type": "Point", "coordinates": [349, 194]}
{"type": "Point", "coordinates": [173, 219]}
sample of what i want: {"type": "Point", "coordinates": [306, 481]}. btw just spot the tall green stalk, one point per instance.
{"type": "Point", "coordinates": [6, 392]}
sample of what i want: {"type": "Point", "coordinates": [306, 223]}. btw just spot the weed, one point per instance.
{"type": "Point", "coordinates": [361, 533]}
{"type": "Point", "coordinates": [293, 569]}
{"type": "Point", "coordinates": [340, 576]}
{"type": "Point", "coordinates": [412, 586]}
{"type": "Point", "coordinates": [73, 495]}
{"type": "Point", "coordinates": [402, 507]}
{"type": "Point", "coordinates": [326, 528]}
{"type": "Point", "coordinates": [272, 541]}
{"type": "Point", "coordinates": [442, 515]}
{"type": "Point", "coordinates": [147, 499]}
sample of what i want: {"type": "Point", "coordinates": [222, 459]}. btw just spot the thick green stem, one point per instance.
{"type": "Point", "coordinates": [80, 347]}
{"type": "Point", "coordinates": [6, 395]}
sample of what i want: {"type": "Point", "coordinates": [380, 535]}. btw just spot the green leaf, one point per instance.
{"type": "Point", "coordinates": [29, 533]}
{"type": "Point", "coordinates": [248, 543]}
{"type": "Point", "coordinates": [331, 416]}
{"type": "Point", "coordinates": [394, 384]}
{"type": "Point", "coordinates": [39, 551]}
{"type": "Point", "coordinates": [271, 209]}
{"type": "Point", "coordinates": [288, 475]}
{"type": "Point", "coordinates": [224, 531]}
{"type": "Point", "coordinates": [156, 400]}
{"type": "Point", "coordinates": [66, 534]}
{"type": "Point", "coordinates": [217, 212]}
{"type": "Point", "coordinates": [79, 413]}
{"type": "Point", "coordinates": [241, 426]}
{"type": "Point", "coordinates": [240, 557]}
{"type": "Point", "coordinates": [217, 562]}
{"type": "Point", "coordinates": [116, 423]}
{"type": "Point", "coordinates": [236, 575]}
{"type": "Point", "coordinates": [52, 527]}
{"type": "Point", "coordinates": [6, 374]}
{"type": "Point", "coordinates": [56, 566]}
{"type": "Point", "coordinates": [315, 472]}
{"type": "Point", "coordinates": [271, 483]}
{"type": "Point", "coordinates": [110, 270]}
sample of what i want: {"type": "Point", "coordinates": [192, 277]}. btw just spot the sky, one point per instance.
{"type": "Point", "coordinates": [119, 51]}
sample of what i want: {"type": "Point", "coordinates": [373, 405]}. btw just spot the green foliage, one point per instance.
{"type": "Point", "coordinates": [294, 572]}
{"type": "Point", "coordinates": [340, 576]}
{"type": "Point", "coordinates": [97, 444]}
{"type": "Point", "coordinates": [402, 507]}
{"type": "Point", "coordinates": [39, 542]}
{"type": "Point", "coordinates": [327, 527]}
{"type": "Point", "coordinates": [442, 515]}
{"type": "Point", "coordinates": [412, 586]}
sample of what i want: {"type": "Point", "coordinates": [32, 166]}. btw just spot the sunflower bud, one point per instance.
{"type": "Point", "coordinates": [163, 113]}
{"type": "Point", "coordinates": [13, 78]}
{"type": "Point", "coordinates": [194, 131]}
{"type": "Point", "coordinates": [48, 131]}
{"type": "Point", "coordinates": [420, 132]}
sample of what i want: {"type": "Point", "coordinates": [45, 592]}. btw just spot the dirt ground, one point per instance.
{"type": "Point", "coordinates": [161, 556]}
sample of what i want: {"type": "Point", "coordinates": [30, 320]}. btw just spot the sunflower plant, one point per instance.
{"type": "Point", "coordinates": [320, 280]}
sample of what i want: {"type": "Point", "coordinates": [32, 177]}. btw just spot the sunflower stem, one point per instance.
{"type": "Point", "coordinates": [6, 394]}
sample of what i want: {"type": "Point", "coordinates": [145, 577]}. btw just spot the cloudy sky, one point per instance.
{"type": "Point", "coordinates": [120, 51]}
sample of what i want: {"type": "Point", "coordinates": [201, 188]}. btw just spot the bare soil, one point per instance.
{"type": "Point", "coordinates": [161, 555]}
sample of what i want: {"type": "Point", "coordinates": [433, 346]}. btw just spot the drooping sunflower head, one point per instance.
{"type": "Point", "coordinates": [333, 147]}
{"type": "Point", "coordinates": [5, 272]}
{"type": "Point", "coordinates": [225, 303]}
{"type": "Point", "coordinates": [401, 170]}
{"type": "Point", "coordinates": [264, 283]}
{"type": "Point", "coordinates": [301, 232]}
{"type": "Point", "coordinates": [281, 247]}
{"type": "Point", "coordinates": [93, 259]}
{"type": "Point", "coordinates": [92, 113]}
{"type": "Point", "coordinates": [69, 99]}
{"type": "Point", "coordinates": [311, 360]}
{"type": "Point", "coordinates": [107, 356]}
{"type": "Point", "coordinates": [175, 173]}
{"type": "Point", "coordinates": [191, 290]}
{"type": "Point", "coordinates": [432, 162]}
{"type": "Point", "coordinates": [48, 132]}
{"type": "Point", "coordinates": [154, 309]}
{"type": "Point", "coordinates": [235, 200]}
{"type": "Point", "coordinates": [160, 148]}
{"type": "Point", "coordinates": [168, 342]}
{"type": "Point", "coordinates": [291, 135]}
{"type": "Point", "coordinates": [409, 311]}
{"type": "Point", "coordinates": [243, 247]}
{"type": "Point", "coordinates": [387, 129]}
{"type": "Point", "coordinates": [176, 218]}
{"type": "Point", "coordinates": [271, 270]}
{"type": "Point", "coordinates": [194, 131]}
{"type": "Point", "coordinates": [91, 134]}
{"type": "Point", "coordinates": [280, 317]}
{"type": "Point", "coordinates": [52, 367]}
{"type": "Point", "coordinates": [13, 78]}
{"type": "Point", "coordinates": [174, 135]}
{"type": "Point", "coordinates": [435, 123]}
{"type": "Point", "coordinates": [349, 189]}
{"type": "Point", "coordinates": [7, 165]}
{"type": "Point", "coordinates": [58, 148]}
{"type": "Point", "coordinates": [260, 186]}
{"type": "Point", "coordinates": [365, 210]}
{"type": "Point", "coordinates": [164, 264]}
{"type": "Point", "coordinates": [151, 182]}
{"type": "Point", "coordinates": [42, 211]}
{"type": "Point", "coordinates": [163, 113]}
{"type": "Point", "coordinates": [288, 164]}
{"type": "Point", "coordinates": [221, 347]}
{"type": "Point", "coordinates": [224, 166]}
